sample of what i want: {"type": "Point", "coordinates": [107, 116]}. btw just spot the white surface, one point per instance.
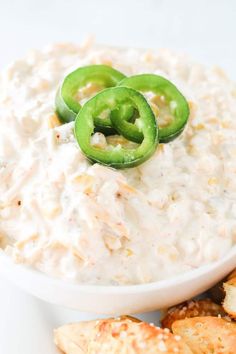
{"type": "Point", "coordinates": [205, 29]}
{"type": "Point", "coordinates": [26, 325]}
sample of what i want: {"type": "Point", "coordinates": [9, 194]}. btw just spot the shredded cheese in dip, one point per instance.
{"type": "Point", "coordinates": [92, 224]}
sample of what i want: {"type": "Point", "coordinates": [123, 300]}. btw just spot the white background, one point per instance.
{"type": "Point", "coordinates": [204, 28]}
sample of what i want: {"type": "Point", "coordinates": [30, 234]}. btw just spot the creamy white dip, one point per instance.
{"type": "Point", "coordinates": [92, 224]}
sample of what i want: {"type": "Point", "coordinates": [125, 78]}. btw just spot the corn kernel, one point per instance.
{"type": "Point", "coordinates": [88, 91]}
{"type": "Point", "coordinates": [129, 252]}
{"type": "Point", "coordinates": [191, 150]}
{"type": "Point", "coordinates": [162, 250]}
{"type": "Point", "coordinates": [225, 124]}
{"type": "Point", "coordinates": [192, 108]}
{"type": "Point", "coordinates": [148, 57]}
{"type": "Point", "coordinates": [53, 121]}
{"type": "Point", "coordinates": [85, 182]}
{"type": "Point", "coordinates": [174, 196]}
{"type": "Point", "coordinates": [83, 179]}
{"type": "Point", "coordinates": [3, 241]}
{"type": "Point", "coordinates": [214, 120]}
{"type": "Point", "coordinates": [160, 148]}
{"type": "Point", "coordinates": [107, 62]}
{"type": "Point", "coordinates": [199, 126]}
{"type": "Point", "coordinates": [155, 109]}
{"type": "Point", "coordinates": [212, 181]}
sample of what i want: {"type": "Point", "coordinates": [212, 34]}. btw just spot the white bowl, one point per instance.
{"type": "Point", "coordinates": [117, 299]}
